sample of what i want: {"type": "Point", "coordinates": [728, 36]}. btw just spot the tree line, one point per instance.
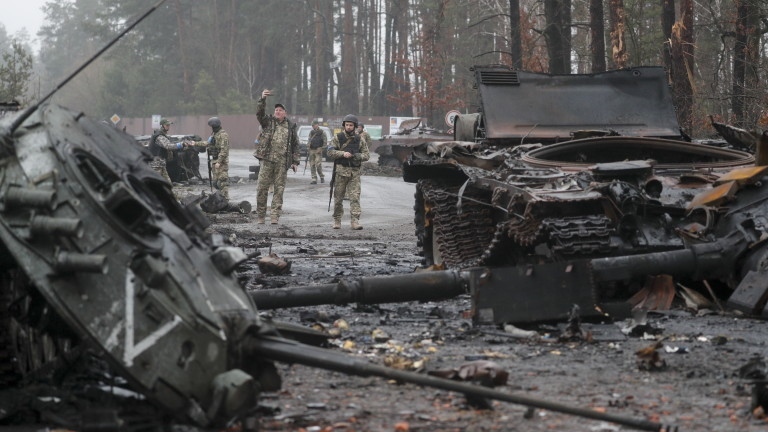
{"type": "Point", "coordinates": [394, 57]}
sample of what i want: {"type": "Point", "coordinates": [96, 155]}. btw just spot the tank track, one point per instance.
{"type": "Point", "coordinates": [584, 235]}
{"type": "Point", "coordinates": [460, 238]}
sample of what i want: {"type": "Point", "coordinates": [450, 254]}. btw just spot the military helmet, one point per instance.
{"type": "Point", "coordinates": [165, 122]}
{"type": "Point", "coordinates": [360, 125]}
{"type": "Point", "coordinates": [349, 118]}
{"type": "Point", "coordinates": [315, 122]}
{"type": "Point", "coordinates": [214, 122]}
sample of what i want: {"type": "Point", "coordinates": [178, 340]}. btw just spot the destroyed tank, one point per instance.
{"type": "Point", "coordinates": [560, 167]}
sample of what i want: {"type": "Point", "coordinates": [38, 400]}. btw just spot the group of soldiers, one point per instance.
{"type": "Point", "coordinates": [278, 151]}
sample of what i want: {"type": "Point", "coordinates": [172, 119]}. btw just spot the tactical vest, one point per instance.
{"type": "Point", "coordinates": [316, 139]}
{"type": "Point", "coordinates": [352, 146]}
{"type": "Point", "coordinates": [212, 150]}
{"type": "Point", "coordinates": [156, 149]}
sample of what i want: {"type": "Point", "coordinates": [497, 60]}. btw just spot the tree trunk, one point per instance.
{"type": "Point", "coordinates": [682, 62]}
{"type": "Point", "coordinates": [515, 43]}
{"type": "Point", "coordinates": [372, 56]}
{"type": "Point", "coordinates": [667, 21]}
{"type": "Point", "coordinates": [348, 81]}
{"type": "Point", "coordinates": [749, 27]}
{"type": "Point", "coordinates": [618, 21]}
{"type": "Point", "coordinates": [597, 35]}
{"type": "Point", "coordinates": [182, 49]}
{"type": "Point", "coordinates": [558, 35]}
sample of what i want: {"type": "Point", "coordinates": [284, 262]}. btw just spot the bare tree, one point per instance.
{"type": "Point", "coordinates": [558, 35]}
{"type": "Point", "coordinates": [618, 21]}
{"type": "Point", "coordinates": [597, 35]}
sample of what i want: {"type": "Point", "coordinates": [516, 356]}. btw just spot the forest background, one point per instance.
{"type": "Point", "coordinates": [383, 57]}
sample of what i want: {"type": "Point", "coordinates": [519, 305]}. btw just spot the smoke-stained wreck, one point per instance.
{"type": "Point", "coordinates": [576, 188]}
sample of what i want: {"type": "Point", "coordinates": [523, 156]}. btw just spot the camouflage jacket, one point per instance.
{"type": "Point", "coordinates": [337, 148]}
{"type": "Point", "coordinates": [217, 146]}
{"type": "Point", "coordinates": [161, 147]}
{"type": "Point", "coordinates": [278, 141]}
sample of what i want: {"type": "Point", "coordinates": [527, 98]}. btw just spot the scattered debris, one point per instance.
{"type": "Point", "coordinates": [274, 265]}
{"type": "Point", "coordinates": [649, 359]}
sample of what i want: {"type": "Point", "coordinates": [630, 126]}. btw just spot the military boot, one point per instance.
{"type": "Point", "coordinates": [261, 220]}
{"type": "Point", "coordinates": [336, 224]}
{"type": "Point", "coordinates": [356, 225]}
{"type": "Point", "coordinates": [274, 220]}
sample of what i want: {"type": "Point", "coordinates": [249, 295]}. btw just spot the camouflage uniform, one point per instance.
{"type": "Point", "coordinates": [162, 149]}
{"type": "Point", "coordinates": [277, 150]}
{"type": "Point", "coordinates": [316, 154]}
{"type": "Point", "coordinates": [218, 151]}
{"type": "Point", "coordinates": [347, 177]}
{"type": "Point", "coordinates": [366, 136]}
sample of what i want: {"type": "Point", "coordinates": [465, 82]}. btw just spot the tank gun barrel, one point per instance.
{"type": "Point", "coordinates": [700, 261]}
{"type": "Point", "coordinates": [284, 350]}
{"type": "Point", "coordinates": [426, 286]}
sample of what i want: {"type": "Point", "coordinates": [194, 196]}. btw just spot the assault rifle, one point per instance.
{"type": "Point", "coordinates": [209, 151]}
{"type": "Point", "coordinates": [333, 180]}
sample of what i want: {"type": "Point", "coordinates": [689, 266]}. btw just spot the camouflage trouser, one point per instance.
{"type": "Point", "coordinates": [316, 163]}
{"type": "Point", "coordinates": [349, 184]}
{"type": "Point", "coordinates": [270, 173]}
{"type": "Point", "coordinates": [221, 179]}
{"type": "Point", "coordinates": [158, 165]}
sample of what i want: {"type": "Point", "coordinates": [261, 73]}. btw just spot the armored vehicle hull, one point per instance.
{"type": "Point", "coordinates": [96, 250]}
{"type": "Point", "coordinates": [601, 170]}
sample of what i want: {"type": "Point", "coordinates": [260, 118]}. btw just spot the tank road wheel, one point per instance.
{"type": "Point", "coordinates": [423, 222]}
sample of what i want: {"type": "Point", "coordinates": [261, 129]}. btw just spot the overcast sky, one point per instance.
{"type": "Point", "coordinates": [18, 14]}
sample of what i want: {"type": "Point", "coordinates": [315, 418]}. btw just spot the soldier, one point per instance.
{"type": "Point", "coordinates": [317, 142]}
{"type": "Point", "coordinates": [278, 150]}
{"type": "Point", "coordinates": [348, 151]}
{"type": "Point", "coordinates": [362, 132]}
{"type": "Point", "coordinates": [161, 148]}
{"type": "Point", "coordinates": [217, 147]}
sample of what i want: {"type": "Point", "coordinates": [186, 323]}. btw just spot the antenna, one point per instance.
{"type": "Point", "coordinates": [28, 112]}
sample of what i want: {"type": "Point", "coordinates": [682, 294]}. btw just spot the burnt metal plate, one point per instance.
{"type": "Point", "coordinates": [632, 102]}
{"type": "Point", "coordinates": [529, 294]}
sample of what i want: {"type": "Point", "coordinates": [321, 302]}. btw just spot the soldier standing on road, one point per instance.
{"type": "Point", "coordinates": [217, 147]}
{"type": "Point", "coordinates": [161, 148]}
{"type": "Point", "coordinates": [317, 142]}
{"type": "Point", "coordinates": [362, 132]}
{"type": "Point", "coordinates": [278, 150]}
{"type": "Point", "coordinates": [348, 150]}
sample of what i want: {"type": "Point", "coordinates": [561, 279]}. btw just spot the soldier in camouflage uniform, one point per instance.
{"type": "Point", "coordinates": [277, 150]}
{"type": "Point", "coordinates": [317, 142]}
{"type": "Point", "coordinates": [217, 147]}
{"type": "Point", "coordinates": [161, 148]}
{"type": "Point", "coordinates": [348, 151]}
{"type": "Point", "coordinates": [362, 132]}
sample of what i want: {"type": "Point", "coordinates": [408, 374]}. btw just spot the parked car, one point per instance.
{"type": "Point", "coordinates": [303, 133]}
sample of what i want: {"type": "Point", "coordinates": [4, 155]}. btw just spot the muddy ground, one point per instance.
{"type": "Point", "coordinates": [697, 387]}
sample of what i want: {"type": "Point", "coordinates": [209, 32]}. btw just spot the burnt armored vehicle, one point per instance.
{"type": "Point", "coordinates": [564, 168]}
